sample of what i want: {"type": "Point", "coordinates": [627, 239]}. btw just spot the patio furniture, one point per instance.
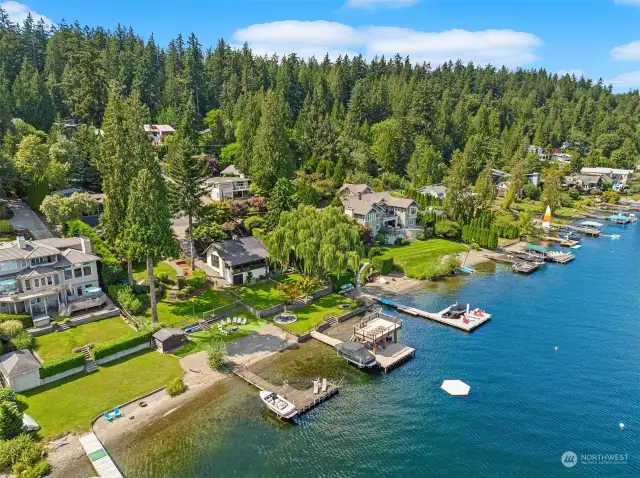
{"type": "Point", "coordinates": [244, 321]}
{"type": "Point", "coordinates": [108, 417]}
{"type": "Point", "coordinates": [234, 329]}
{"type": "Point", "coordinates": [117, 413]}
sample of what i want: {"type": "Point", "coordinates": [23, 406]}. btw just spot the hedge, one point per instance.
{"type": "Point", "coordinates": [61, 364]}
{"type": "Point", "coordinates": [26, 319]}
{"type": "Point", "coordinates": [383, 266]}
{"type": "Point", "coordinates": [112, 347]}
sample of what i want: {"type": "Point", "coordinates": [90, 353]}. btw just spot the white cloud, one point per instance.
{"type": "Point", "coordinates": [18, 12]}
{"type": "Point", "coordinates": [380, 3]}
{"type": "Point", "coordinates": [498, 47]}
{"type": "Point", "coordinates": [627, 2]}
{"type": "Point", "coordinates": [630, 79]}
{"type": "Point", "coordinates": [630, 51]}
{"type": "Point", "coordinates": [577, 72]}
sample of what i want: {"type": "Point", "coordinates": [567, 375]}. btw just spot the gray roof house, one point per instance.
{"type": "Point", "coordinates": [380, 211]}
{"type": "Point", "coordinates": [231, 171]}
{"type": "Point", "coordinates": [436, 190]}
{"type": "Point", "coordinates": [234, 259]}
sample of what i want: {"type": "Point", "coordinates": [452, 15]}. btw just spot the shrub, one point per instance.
{"type": "Point", "coordinates": [5, 212]}
{"type": "Point", "coordinates": [383, 266]}
{"type": "Point", "coordinates": [181, 282]}
{"type": "Point", "coordinates": [126, 342]}
{"type": "Point", "coordinates": [595, 192]}
{"type": "Point", "coordinates": [253, 222]}
{"type": "Point", "coordinates": [185, 292]}
{"type": "Point", "coordinates": [61, 364]}
{"type": "Point", "coordinates": [10, 420]}
{"type": "Point", "coordinates": [22, 341]}
{"type": "Point", "coordinates": [125, 295]}
{"type": "Point", "coordinates": [6, 227]}
{"type": "Point", "coordinates": [21, 449]}
{"type": "Point", "coordinates": [611, 197]}
{"type": "Point", "coordinates": [7, 395]}
{"type": "Point", "coordinates": [198, 280]}
{"type": "Point", "coordinates": [401, 241]}
{"type": "Point", "coordinates": [374, 251]}
{"type": "Point", "coordinates": [531, 191]}
{"type": "Point", "coordinates": [36, 470]}
{"type": "Point", "coordinates": [447, 228]}
{"type": "Point", "coordinates": [162, 277]}
{"type": "Point", "coordinates": [26, 319]}
{"type": "Point", "coordinates": [10, 328]}
{"type": "Point", "coordinates": [175, 387]}
{"type": "Point", "coordinates": [574, 194]}
{"type": "Point", "coordinates": [216, 353]}
{"type": "Point", "coordinates": [365, 272]}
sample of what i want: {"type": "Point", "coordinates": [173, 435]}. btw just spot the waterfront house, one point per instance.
{"type": "Point", "coordinates": [586, 182]}
{"type": "Point", "coordinates": [48, 275]}
{"type": "Point", "coordinates": [381, 211]}
{"type": "Point", "coordinates": [234, 259]}
{"type": "Point", "coordinates": [619, 177]}
{"type": "Point", "coordinates": [158, 132]}
{"type": "Point", "coordinates": [226, 188]}
{"type": "Point", "coordinates": [438, 191]}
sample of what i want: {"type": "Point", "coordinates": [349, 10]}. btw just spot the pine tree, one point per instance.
{"type": "Point", "coordinates": [280, 200]}
{"type": "Point", "coordinates": [484, 188]}
{"type": "Point", "coordinates": [458, 202]}
{"type": "Point", "coordinates": [147, 234]}
{"type": "Point", "coordinates": [186, 174]}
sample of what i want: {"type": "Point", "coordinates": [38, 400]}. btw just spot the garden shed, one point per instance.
{"type": "Point", "coordinates": [20, 370]}
{"type": "Point", "coordinates": [168, 339]}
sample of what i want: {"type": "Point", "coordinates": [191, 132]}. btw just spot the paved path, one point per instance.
{"type": "Point", "coordinates": [179, 273]}
{"type": "Point", "coordinates": [25, 218]}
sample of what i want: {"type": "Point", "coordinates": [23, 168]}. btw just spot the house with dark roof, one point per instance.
{"type": "Point", "coordinates": [436, 190]}
{"type": "Point", "coordinates": [48, 275]}
{"type": "Point", "coordinates": [381, 212]}
{"type": "Point", "coordinates": [586, 182]}
{"type": "Point", "coordinates": [235, 259]}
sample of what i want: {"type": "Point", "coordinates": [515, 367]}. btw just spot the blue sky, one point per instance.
{"type": "Point", "coordinates": [600, 38]}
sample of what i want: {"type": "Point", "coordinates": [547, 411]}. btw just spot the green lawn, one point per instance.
{"type": "Point", "coordinates": [171, 312]}
{"type": "Point", "coordinates": [70, 404]}
{"type": "Point", "coordinates": [198, 341]}
{"type": "Point", "coordinates": [57, 344]}
{"type": "Point", "coordinates": [265, 294]}
{"type": "Point", "coordinates": [421, 256]}
{"type": "Point", "coordinates": [140, 270]}
{"type": "Point", "coordinates": [314, 313]}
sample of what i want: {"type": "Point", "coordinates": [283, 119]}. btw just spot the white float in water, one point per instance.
{"type": "Point", "coordinates": [555, 348]}
{"type": "Point", "coordinates": [621, 426]}
{"type": "Point", "coordinates": [455, 387]}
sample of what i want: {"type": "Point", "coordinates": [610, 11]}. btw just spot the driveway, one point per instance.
{"type": "Point", "coordinates": [25, 218]}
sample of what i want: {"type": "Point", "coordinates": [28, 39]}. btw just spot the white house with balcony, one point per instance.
{"type": "Point", "coordinates": [381, 212]}
{"type": "Point", "coordinates": [234, 259]}
{"type": "Point", "coordinates": [226, 188]}
{"type": "Point", "coordinates": [158, 132]}
{"type": "Point", "coordinates": [49, 275]}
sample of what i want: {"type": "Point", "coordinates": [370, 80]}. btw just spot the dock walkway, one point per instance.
{"type": "Point", "coordinates": [100, 459]}
{"type": "Point", "coordinates": [304, 400]}
{"type": "Point", "coordinates": [325, 338]}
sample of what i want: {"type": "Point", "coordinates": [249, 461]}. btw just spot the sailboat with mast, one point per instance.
{"type": "Point", "coordinates": [546, 220]}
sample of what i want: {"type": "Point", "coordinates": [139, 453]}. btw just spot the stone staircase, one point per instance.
{"type": "Point", "coordinates": [89, 365]}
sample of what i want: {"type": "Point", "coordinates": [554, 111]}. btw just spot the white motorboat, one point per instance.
{"type": "Point", "coordinates": [278, 404]}
{"type": "Point", "coordinates": [477, 314]}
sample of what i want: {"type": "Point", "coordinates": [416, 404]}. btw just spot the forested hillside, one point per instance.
{"type": "Point", "coordinates": [384, 118]}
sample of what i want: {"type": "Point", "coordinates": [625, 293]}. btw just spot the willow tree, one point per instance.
{"type": "Point", "coordinates": [321, 243]}
{"type": "Point", "coordinates": [147, 233]}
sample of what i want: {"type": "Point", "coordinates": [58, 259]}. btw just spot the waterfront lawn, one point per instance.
{"type": "Point", "coordinates": [70, 404]}
{"type": "Point", "coordinates": [313, 314]}
{"type": "Point", "coordinates": [420, 257]}
{"type": "Point", "coordinates": [140, 270]}
{"type": "Point", "coordinates": [172, 312]}
{"type": "Point", "coordinates": [264, 295]}
{"type": "Point", "coordinates": [57, 344]}
{"type": "Point", "coordinates": [199, 341]}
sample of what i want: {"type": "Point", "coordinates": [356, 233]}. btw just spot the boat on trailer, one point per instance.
{"type": "Point", "coordinates": [278, 405]}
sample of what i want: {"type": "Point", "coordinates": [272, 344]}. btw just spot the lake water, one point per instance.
{"type": "Point", "coordinates": [528, 403]}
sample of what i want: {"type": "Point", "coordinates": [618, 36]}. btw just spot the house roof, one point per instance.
{"type": "Point", "coordinates": [240, 251]}
{"type": "Point", "coordinates": [355, 188]}
{"type": "Point", "coordinates": [161, 128]}
{"type": "Point", "coordinates": [437, 189]}
{"type": "Point", "coordinates": [45, 247]}
{"type": "Point", "coordinates": [230, 171]}
{"type": "Point", "coordinates": [389, 199]}
{"type": "Point", "coordinates": [606, 171]}
{"type": "Point", "coordinates": [36, 271]}
{"type": "Point", "coordinates": [76, 257]}
{"type": "Point", "coordinates": [166, 333]}
{"type": "Point", "coordinates": [220, 179]}
{"type": "Point", "coordinates": [18, 362]}
{"type": "Point", "coordinates": [362, 208]}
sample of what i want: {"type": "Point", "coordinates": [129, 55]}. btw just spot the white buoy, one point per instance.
{"type": "Point", "coordinates": [622, 426]}
{"type": "Point", "coordinates": [555, 348]}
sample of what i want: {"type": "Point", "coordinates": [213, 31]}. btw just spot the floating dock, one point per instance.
{"type": "Point", "coordinates": [562, 242]}
{"type": "Point", "coordinates": [100, 459]}
{"type": "Point", "coordinates": [304, 400]}
{"type": "Point", "coordinates": [526, 267]}
{"type": "Point", "coordinates": [442, 319]}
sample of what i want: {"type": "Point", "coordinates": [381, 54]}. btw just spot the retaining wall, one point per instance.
{"type": "Point", "coordinates": [123, 353]}
{"type": "Point", "coordinates": [60, 376]}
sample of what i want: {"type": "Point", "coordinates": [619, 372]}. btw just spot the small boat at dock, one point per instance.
{"type": "Point", "coordinates": [278, 404]}
{"type": "Point", "coordinates": [467, 270]}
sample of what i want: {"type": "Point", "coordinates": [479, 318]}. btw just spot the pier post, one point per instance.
{"type": "Point", "coordinates": [395, 336]}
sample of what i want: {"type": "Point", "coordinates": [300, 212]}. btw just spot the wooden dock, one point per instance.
{"type": "Point", "coordinates": [559, 240]}
{"type": "Point", "coordinates": [439, 317]}
{"type": "Point", "coordinates": [584, 230]}
{"type": "Point", "coordinates": [100, 459]}
{"type": "Point", "coordinates": [304, 400]}
{"type": "Point", "coordinates": [526, 267]}
{"type": "Point", "coordinates": [325, 338]}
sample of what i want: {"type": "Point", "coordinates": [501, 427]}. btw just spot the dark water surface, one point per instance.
{"type": "Point", "coordinates": [528, 403]}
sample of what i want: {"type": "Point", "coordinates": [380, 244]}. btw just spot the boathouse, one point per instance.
{"type": "Point", "coordinates": [166, 340]}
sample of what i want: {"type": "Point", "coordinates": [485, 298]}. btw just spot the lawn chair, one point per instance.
{"type": "Point", "coordinates": [235, 320]}
{"type": "Point", "coordinates": [117, 413]}
{"type": "Point", "coordinates": [108, 417]}
{"type": "Point", "coordinates": [244, 321]}
{"type": "Point", "coordinates": [228, 320]}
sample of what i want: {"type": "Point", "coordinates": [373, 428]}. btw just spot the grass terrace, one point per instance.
{"type": "Point", "coordinates": [140, 271]}
{"type": "Point", "coordinates": [199, 340]}
{"type": "Point", "coordinates": [419, 257]}
{"type": "Point", "coordinates": [265, 294]}
{"type": "Point", "coordinates": [170, 312]}
{"type": "Point", "coordinates": [313, 314]}
{"type": "Point", "coordinates": [58, 344]}
{"type": "Point", "coordinates": [68, 405]}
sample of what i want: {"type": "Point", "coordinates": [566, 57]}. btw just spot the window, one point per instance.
{"type": "Point", "coordinates": [36, 283]}
{"type": "Point", "coordinates": [69, 292]}
{"type": "Point", "coordinates": [37, 260]}
{"type": "Point", "coordinates": [68, 274]}
{"type": "Point", "coordinates": [412, 211]}
{"type": "Point", "coordinates": [77, 272]}
{"type": "Point", "coordinates": [215, 261]}
{"type": "Point", "coordinates": [8, 266]}
{"type": "Point", "coordinates": [371, 217]}
{"type": "Point", "coordinates": [79, 291]}
{"type": "Point", "coordinates": [411, 222]}
{"type": "Point", "coordinates": [49, 280]}
{"type": "Point", "coordinates": [86, 270]}
{"type": "Point", "coordinates": [27, 285]}
{"type": "Point", "coordinates": [3, 305]}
